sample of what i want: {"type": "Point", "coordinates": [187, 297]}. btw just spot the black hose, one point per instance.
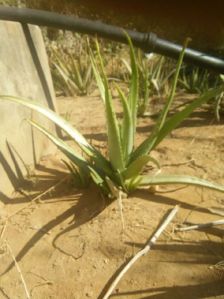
{"type": "Point", "coordinates": [148, 42]}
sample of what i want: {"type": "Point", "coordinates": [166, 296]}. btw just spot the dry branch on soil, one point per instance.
{"type": "Point", "coordinates": [142, 252]}
{"type": "Point", "coordinates": [199, 226]}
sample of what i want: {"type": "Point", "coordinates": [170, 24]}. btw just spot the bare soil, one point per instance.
{"type": "Point", "coordinates": [70, 243]}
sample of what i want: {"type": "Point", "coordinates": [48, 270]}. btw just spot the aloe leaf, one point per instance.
{"type": "Point", "coordinates": [112, 187]}
{"type": "Point", "coordinates": [63, 124]}
{"type": "Point", "coordinates": [70, 85]}
{"type": "Point", "coordinates": [152, 141]}
{"type": "Point", "coordinates": [80, 176]}
{"type": "Point", "coordinates": [148, 180]}
{"type": "Point", "coordinates": [54, 117]}
{"type": "Point", "coordinates": [113, 133]}
{"type": "Point", "coordinates": [77, 75]}
{"type": "Point", "coordinates": [127, 65]}
{"type": "Point", "coordinates": [98, 77]}
{"type": "Point", "coordinates": [64, 71]}
{"type": "Point", "coordinates": [132, 183]}
{"type": "Point", "coordinates": [135, 168]}
{"type": "Point", "coordinates": [127, 126]}
{"type": "Point", "coordinates": [166, 108]}
{"type": "Point", "coordinates": [178, 117]}
{"type": "Point", "coordinates": [98, 180]}
{"type": "Point", "coordinates": [163, 115]}
{"type": "Point", "coordinates": [133, 94]}
{"type": "Point", "coordinates": [114, 140]}
{"type": "Point", "coordinates": [158, 68]}
{"type": "Point", "coordinates": [88, 75]}
{"type": "Point", "coordinates": [64, 147]}
{"type": "Point", "coordinates": [62, 65]}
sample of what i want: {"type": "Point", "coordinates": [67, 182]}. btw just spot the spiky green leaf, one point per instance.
{"type": "Point", "coordinates": [98, 77]}
{"type": "Point", "coordinates": [173, 122]}
{"type": "Point", "coordinates": [64, 147]}
{"type": "Point", "coordinates": [54, 117]}
{"type": "Point", "coordinates": [135, 168]}
{"type": "Point", "coordinates": [126, 127]}
{"type": "Point", "coordinates": [67, 81]}
{"type": "Point", "coordinates": [113, 132]}
{"type": "Point", "coordinates": [178, 117]}
{"type": "Point", "coordinates": [98, 180]}
{"type": "Point", "coordinates": [81, 177]}
{"type": "Point", "coordinates": [64, 125]}
{"type": "Point", "coordinates": [169, 102]}
{"type": "Point", "coordinates": [133, 94]}
{"type": "Point", "coordinates": [148, 180]}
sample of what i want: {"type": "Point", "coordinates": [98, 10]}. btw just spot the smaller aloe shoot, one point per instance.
{"type": "Point", "coordinates": [122, 170]}
{"type": "Point", "coordinates": [194, 79]}
{"type": "Point", "coordinates": [72, 75]}
{"type": "Point", "coordinates": [197, 80]}
{"type": "Point", "coordinates": [219, 101]}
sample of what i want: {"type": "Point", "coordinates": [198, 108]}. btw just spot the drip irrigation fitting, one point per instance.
{"type": "Point", "coordinates": [148, 42]}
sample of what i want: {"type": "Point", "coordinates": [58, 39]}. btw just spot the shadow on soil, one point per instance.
{"type": "Point", "coordinates": [89, 205]}
{"type": "Point", "coordinates": [36, 183]}
{"type": "Point", "coordinates": [204, 252]}
{"type": "Point", "coordinates": [196, 119]}
{"type": "Point", "coordinates": [202, 290]}
{"type": "Point", "coordinates": [157, 198]}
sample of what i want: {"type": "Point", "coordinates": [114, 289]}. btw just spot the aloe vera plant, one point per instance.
{"type": "Point", "coordinates": [121, 171]}
{"type": "Point", "coordinates": [71, 74]}
{"type": "Point", "coordinates": [196, 80]}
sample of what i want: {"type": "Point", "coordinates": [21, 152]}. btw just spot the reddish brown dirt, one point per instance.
{"type": "Point", "coordinates": [69, 244]}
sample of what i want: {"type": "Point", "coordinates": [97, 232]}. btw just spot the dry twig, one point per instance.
{"type": "Point", "coordinates": [200, 225]}
{"type": "Point", "coordinates": [3, 230]}
{"type": "Point", "coordinates": [142, 252]}
{"type": "Point", "coordinates": [217, 210]}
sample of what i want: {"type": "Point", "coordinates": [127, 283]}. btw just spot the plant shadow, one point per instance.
{"type": "Point", "coordinates": [202, 252]}
{"type": "Point", "coordinates": [163, 199]}
{"type": "Point", "coordinates": [88, 203]}
{"type": "Point", "coordinates": [202, 290]}
{"type": "Point", "coordinates": [198, 118]}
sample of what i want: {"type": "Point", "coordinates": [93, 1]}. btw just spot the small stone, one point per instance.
{"type": "Point", "coordinates": [89, 294]}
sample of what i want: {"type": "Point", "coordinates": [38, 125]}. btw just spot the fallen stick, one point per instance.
{"type": "Point", "coordinates": [200, 225]}
{"type": "Point", "coordinates": [3, 230]}
{"type": "Point", "coordinates": [217, 211]}
{"type": "Point", "coordinates": [142, 252]}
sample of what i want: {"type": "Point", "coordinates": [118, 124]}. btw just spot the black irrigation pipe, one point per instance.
{"type": "Point", "coordinates": [148, 42]}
